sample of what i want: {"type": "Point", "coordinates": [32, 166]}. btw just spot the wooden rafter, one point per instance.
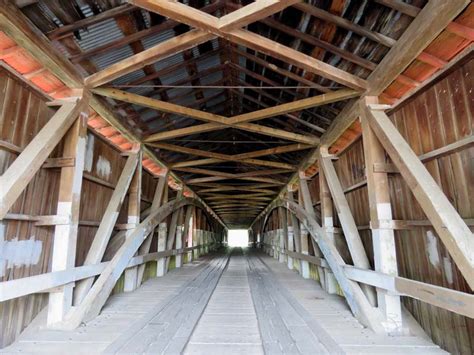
{"type": "Point", "coordinates": [247, 158]}
{"type": "Point", "coordinates": [217, 122]}
{"type": "Point", "coordinates": [206, 22]}
{"type": "Point", "coordinates": [138, 61]}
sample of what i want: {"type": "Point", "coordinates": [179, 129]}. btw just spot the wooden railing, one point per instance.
{"type": "Point", "coordinates": [455, 301]}
{"type": "Point", "coordinates": [45, 282]}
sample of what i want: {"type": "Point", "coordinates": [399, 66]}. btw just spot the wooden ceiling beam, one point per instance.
{"type": "Point", "coordinates": [198, 19]}
{"type": "Point", "coordinates": [174, 67]}
{"type": "Point", "coordinates": [306, 103]}
{"type": "Point", "coordinates": [67, 30]}
{"type": "Point", "coordinates": [249, 186]}
{"type": "Point", "coordinates": [292, 106]}
{"type": "Point", "coordinates": [219, 178]}
{"type": "Point", "coordinates": [314, 41]}
{"type": "Point", "coordinates": [231, 175]}
{"type": "Point", "coordinates": [199, 75]}
{"type": "Point", "coordinates": [285, 123]}
{"type": "Point", "coordinates": [244, 157]}
{"type": "Point", "coordinates": [258, 162]}
{"type": "Point", "coordinates": [400, 6]}
{"type": "Point", "coordinates": [346, 24]}
{"type": "Point", "coordinates": [250, 127]}
{"type": "Point", "coordinates": [159, 105]}
{"type": "Point", "coordinates": [252, 13]}
{"type": "Point", "coordinates": [215, 122]}
{"type": "Point", "coordinates": [175, 45]}
{"type": "Point", "coordinates": [162, 50]}
{"type": "Point", "coordinates": [239, 197]}
{"type": "Point", "coordinates": [279, 70]}
{"type": "Point", "coordinates": [233, 188]}
{"type": "Point", "coordinates": [237, 203]}
{"type": "Point", "coordinates": [237, 207]}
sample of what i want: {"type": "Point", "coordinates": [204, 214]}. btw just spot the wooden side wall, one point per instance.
{"type": "Point", "coordinates": [441, 114]}
{"type": "Point", "coordinates": [25, 250]}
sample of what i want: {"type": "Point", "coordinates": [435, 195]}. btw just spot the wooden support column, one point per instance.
{"type": "Point", "coordinates": [179, 239]}
{"type": "Point", "coordinates": [447, 222]}
{"type": "Point", "coordinates": [161, 262]}
{"type": "Point", "coordinates": [304, 265]}
{"type": "Point", "coordinates": [161, 193]}
{"type": "Point", "coordinates": [383, 236]}
{"type": "Point", "coordinates": [187, 233]}
{"type": "Point", "coordinates": [162, 233]}
{"type": "Point", "coordinates": [102, 236]}
{"type": "Point", "coordinates": [134, 199]}
{"type": "Point", "coordinates": [197, 226]}
{"type": "Point", "coordinates": [200, 241]}
{"type": "Point", "coordinates": [296, 228]}
{"type": "Point", "coordinates": [308, 206]}
{"type": "Point", "coordinates": [275, 243]}
{"type": "Point", "coordinates": [172, 229]}
{"type": "Point", "coordinates": [195, 243]}
{"type": "Point", "coordinates": [290, 240]}
{"type": "Point", "coordinates": [283, 234]}
{"type": "Point", "coordinates": [206, 241]}
{"type": "Point", "coordinates": [351, 233]}
{"type": "Point", "coordinates": [65, 236]}
{"type": "Point", "coordinates": [327, 223]}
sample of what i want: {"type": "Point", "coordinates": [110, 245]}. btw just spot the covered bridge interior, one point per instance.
{"type": "Point", "coordinates": [134, 135]}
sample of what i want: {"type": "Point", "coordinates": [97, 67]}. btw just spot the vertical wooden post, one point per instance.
{"type": "Point", "coordinates": [179, 243]}
{"type": "Point", "coordinates": [283, 234]}
{"type": "Point", "coordinates": [383, 236]}
{"type": "Point", "coordinates": [308, 206]}
{"type": "Point", "coordinates": [296, 227]}
{"type": "Point", "coordinates": [327, 223]}
{"type": "Point", "coordinates": [290, 240]}
{"type": "Point", "coordinates": [65, 236]}
{"type": "Point", "coordinates": [195, 233]}
{"type": "Point", "coordinates": [134, 200]}
{"type": "Point", "coordinates": [304, 265]}
{"type": "Point", "coordinates": [173, 229]}
{"type": "Point", "coordinates": [304, 250]}
{"type": "Point", "coordinates": [161, 263]}
{"type": "Point", "coordinates": [204, 239]}
{"type": "Point", "coordinates": [187, 236]}
{"type": "Point", "coordinates": [161, 191]}
{"type": "Point", "coordinates": [179, 240]}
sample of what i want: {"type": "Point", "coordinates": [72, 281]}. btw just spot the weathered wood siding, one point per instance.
{"type": "Point", "coordinates": [26, 249]}
{"type": "Point", "coordinates": [439, 115]}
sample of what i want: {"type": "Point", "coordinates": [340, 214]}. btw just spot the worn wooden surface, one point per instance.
{"type": "Point", "coordinates": [213, 306]}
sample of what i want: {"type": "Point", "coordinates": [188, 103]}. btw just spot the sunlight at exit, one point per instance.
{"type": "Point", "coordinates": [238, 238]}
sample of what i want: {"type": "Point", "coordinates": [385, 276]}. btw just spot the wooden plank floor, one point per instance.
{"type": "Point", "coordinates": [242, 304]}
{"type": "Point", "coordinates": [229, 323]}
